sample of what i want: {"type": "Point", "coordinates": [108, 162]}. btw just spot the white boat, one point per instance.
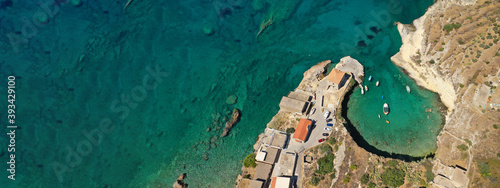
{"type": "Point", "coordinates": [408, 89]}
{"type": "Point", "coordinates": [379, 116]}
{"type": "Point", "coordinates": [386, 108]}
{"type": "Point", "coordinates": [377, 83]}
{"type": "Point", "coordinates": [370, 78]}
{"type": "Point", "coordinates": [366, 88]}
{"type": "Point", "coordinates": [362, 91]}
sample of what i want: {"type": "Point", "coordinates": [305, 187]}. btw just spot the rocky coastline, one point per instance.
{"type": "Point", "coordinates": [449, 62]}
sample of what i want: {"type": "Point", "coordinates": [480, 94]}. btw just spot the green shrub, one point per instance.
{"type": "Point", "coordinates": [393, 163]}
{"type": "Point", "coordinates": [336, 147]}
{"type": "Point", "coordinates": [449, 27]}
{"type": "Point", "coordinates": [347, 179]}
{"type": "Point", "coordinates": [250, 161]}
{"type": "Point", "coordinates": [431, 61]}
{"type": "Point", "coordinates": [315, 180]}
{"type": "Point", "coordinates": [495, 126]}
{"type": "Point", "coordinates": [461, 42]}
{"type": "Point", "coordinates": [332, 141]}
{"type": "Point", "coordinates": [247, 176]}
{"type": "Point", "coordinates": [461, 85]}
{"type": "Point", "coordinates": [353, 167]}
{"type": "Point", "coordinates": [441, 49]}
{"type": "Point", "coordinates": [365, 179]}
{"type": "Point", "coordinates": [325, 164]}
{"type": "Point", "coordinates": [290, 130]}
{"type": "Point", "coordinates": [462, 147]}
{"type": "Point", "coordinates": [325, 148]}
{"type": "Point", "coordinates": [484, 169]}
{"type": "Point", "coordinates": [468, 142]}
{"type": "Point", "coordinates": [332, 176]}
{"type": "Point", "coordinates": [429, 176]}
{"type": "Point", "coordinates": [394, 177]}
{"type": "Point", "coordinates": [372, 185]}
{"type": "Point", "coordinates": [498, 155]}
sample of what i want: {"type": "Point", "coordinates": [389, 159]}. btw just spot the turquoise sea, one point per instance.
{"type": "Point", "coordinates": [108, 96]}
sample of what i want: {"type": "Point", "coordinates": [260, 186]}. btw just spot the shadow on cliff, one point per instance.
{"type": "Point", "coordinates": [361, 142]}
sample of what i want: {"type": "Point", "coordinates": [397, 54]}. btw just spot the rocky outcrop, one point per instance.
{"type": "Point", "coordinates": [179, 183]}
{"type": "Point", "coordinates": [229, 125]}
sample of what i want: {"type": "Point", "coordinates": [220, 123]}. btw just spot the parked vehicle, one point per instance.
{"type": "Point", "coordinates": [328, 129]}
{"type": "Point", "coordinates": [327, 113]}
{"type": "Point", "coordinates": [326, 134]}
{"type": "Point", "coordinates": [321, 140]}
{"type": "Point", "coordinates": [329, 125]}
{"type": "Point", "coordinates": [313, 110]}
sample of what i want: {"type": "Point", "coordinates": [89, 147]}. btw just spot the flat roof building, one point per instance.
{"type": "Point", "coordinates": [280, 182]}
{"type": "Point", "coordinates": [263, 171]}
{"type": "Point", "coordinates": [267, 155]}
{"type": "Point", "coordinates": [302, 130]}
{"type": "Point", "coordinates": [295, 102]}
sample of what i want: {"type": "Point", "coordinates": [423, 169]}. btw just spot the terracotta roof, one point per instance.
{"type": "Point", "coordinates": [302, 130]}
{"type": "Point", "coordinates": [335, 76]}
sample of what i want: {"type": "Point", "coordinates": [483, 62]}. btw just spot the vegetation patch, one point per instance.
{"type": "Point", "coordinates": [250, 161]}
{"type": "Point", "coordinates": [394, 177]}
{"type": "Point", "coordinates": [365, 179]}
{"type": "Point", "coordinates": [347, 179]}
{"type": "Point", "coordinates": [325, 164]}
{"type": "Point", "coordinates": [290, 130]}
{"type": "Point", "coordinates": [484, 168]}
{"type": "Point", "coordinates": [450, 27]}
{"type": "Point", "coordinates": [463, 147]}
{"type": "Point", "coordinates": [315, 180]}
{"type": "Point", "coordinates": [429, 176]}
{"type": "Point", "coordinates": [353, 167]}
{"type": "Point", "coordinates": [325, 148]}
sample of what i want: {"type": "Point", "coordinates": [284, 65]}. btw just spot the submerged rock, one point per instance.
{"type": "Point", "coordinates": [205, 156]}
{"type": "Point", "coordinates": [229, 125]}
{"type": "Point", "coordinates": [232, 99]}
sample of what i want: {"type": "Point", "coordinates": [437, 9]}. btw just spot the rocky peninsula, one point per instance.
{"type": "Point", "coordinates": [452, 50]}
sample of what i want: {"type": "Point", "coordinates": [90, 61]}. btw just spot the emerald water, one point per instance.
{"type": "Point", "coordinates": [159, 73]}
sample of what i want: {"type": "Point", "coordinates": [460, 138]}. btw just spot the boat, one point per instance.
{"type": "Point", "coordinates": [379, 116]}
{"type": "Point", "coordinates": [362, 91]}
{"type": "Point", "coordinates": [370, 78]}
{"type": "Point", "coordinates": [377, 83]}
{"type": "Point", "coordinates": [408, 89]}
{"type": "Point", "coordinates": [386, 108]}
{"type": "Point", "coordinates": [366, 88]}
{"type": "Point", "coordinates": [387, 121]}
{"type": "Point", "coordinates": [382, 97]}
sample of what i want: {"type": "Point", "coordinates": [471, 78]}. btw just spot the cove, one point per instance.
{"type": "Point", "coordinates": [208, 51]}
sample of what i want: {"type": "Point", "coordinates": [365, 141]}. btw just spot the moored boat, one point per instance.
{"type": "Point", "coordinates": [386, 108]}
{"type": "Point", "coordinates": [377, 83]}
{"type": "Point", "coordinates": [370, 78]}
{"type": "Point", "coordinates": [366, 88]}
{"type": "Point", "coordinates": [408, 89]}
